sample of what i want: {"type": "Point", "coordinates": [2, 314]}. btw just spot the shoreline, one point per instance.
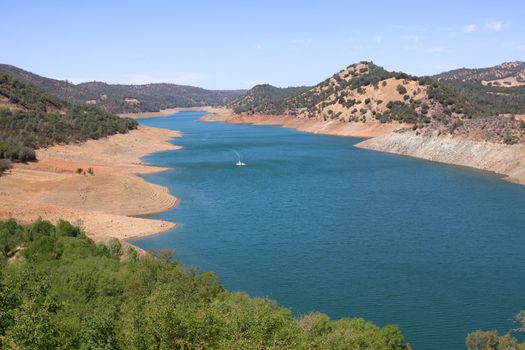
{"type": "Point", "coordinates": [507, 161]}
{"type": "Point", "coordinates": [106, 203]}
{"type": "Point", "coordinates": [169, 111]}
{"type": "Point", "coordinates": [313, 126]}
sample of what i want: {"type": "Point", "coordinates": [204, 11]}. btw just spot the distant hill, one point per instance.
{"type": "Point", "coordinates": [364, 93]}
{"type": "Point", "coordinates": [507, 74]}
{"type": "Point", "coordinates": [265, 99]}
{"type": "Point", "coordinates": [31, 118]}
{"type": "Point", "coordinates": [500, 88]}
{"type": "Point", "coordinates": [359, 92]}
{"type": "Point", "coordinates": [118, 98]}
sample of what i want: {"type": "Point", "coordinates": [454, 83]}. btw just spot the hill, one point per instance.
{"type": "Point", "coordinates": [31, 118]}
{"type": "Point", "coordinates": [508, 74]}
{"type": "Point", "coordinates": [265, 99]}
{"type": "Point", "coordinates": [119, 98]}
{"type": "Point", "coordinates": [367, 93]}
{"type": "Point", "coordinates": [500, 89]}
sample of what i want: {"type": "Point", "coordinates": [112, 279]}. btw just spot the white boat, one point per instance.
{"type": "Point", "coordinates": [239, 162]}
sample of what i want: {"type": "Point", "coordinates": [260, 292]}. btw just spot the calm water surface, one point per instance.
{"type": "Point", "coordinates": [318, 224]}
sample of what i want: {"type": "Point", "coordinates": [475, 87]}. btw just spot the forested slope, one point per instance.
{"type": "Point", "coordinates": [60, 290]}
{"type": "Point", "coordinates": [31, 118]}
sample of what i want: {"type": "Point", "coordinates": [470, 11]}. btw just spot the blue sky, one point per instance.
{"type": "Point", "coordinates": [237, 44]}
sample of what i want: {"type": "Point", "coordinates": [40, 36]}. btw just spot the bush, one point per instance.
{"type": "Point", "coordinates": [5, 164]}
{"type": "Point", "coordinates": [508, 139]}
{"type": "Point", "coordinates": [69, 293]}
{"type": "Point", "coordinates": [401, 89]}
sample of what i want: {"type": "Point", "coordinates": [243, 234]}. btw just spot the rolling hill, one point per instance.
{"type": "Point", "coordinates": [367, 93]}
{"type": "Point", "coordinates": [500, 89]}
{"type": "Point", "coordinates": [119, 98]}
{"type": "Point", "coordinates": [31, 118]}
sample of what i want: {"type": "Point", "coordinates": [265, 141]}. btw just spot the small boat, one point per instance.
{"type": "Point", "coordinates": [239, 162]}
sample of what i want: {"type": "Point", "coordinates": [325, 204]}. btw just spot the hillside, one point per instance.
{"type": "Point", "coordinates": [31, 118]}
{"type": "Point", "coordinates": [60, 290]}
{"type": "Point", "coordinates": [117, 98]}
{"type": "Point", "coordinates": [367, 93]}
{"type": "Point", "coordinates": [508, 74]}
{"type": "Point", "coordinates": [265, 99]}
{"type": "Point", "coordinates": [500, 89]}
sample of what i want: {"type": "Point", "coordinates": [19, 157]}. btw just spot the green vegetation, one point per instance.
{"type": "Point", "coordinates": [401, 89]}
{"type": "Point", "coordinates": [117, 98]}
{"type": "Point", "coordinates": [33, 119]}
{"type": "Point", "coordinates": [60, 290]}
{"type": "Point", "coordinates": [265, 99]}
{"type": "Point", "coordinates": [495, 98]}
{"type": "Point", "coordinates": [491, 340]}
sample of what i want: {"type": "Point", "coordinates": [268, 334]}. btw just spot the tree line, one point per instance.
{"type": "Point", "coordinates": [31, 119]}
{"type": "Point", "coordinates": [60, 290]}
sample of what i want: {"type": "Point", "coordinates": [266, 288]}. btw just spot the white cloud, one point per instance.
{"type": "Point", "coordinates": [497, 25]}
{"type": "Point", "coordinates": [378, 39]}
{"type": "Point", "coordinates": [470, 28]}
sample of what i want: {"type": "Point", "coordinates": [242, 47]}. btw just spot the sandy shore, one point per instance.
{"type": "Point", "coordinates": [170, 111]}
{"type": "Point", "coordinates": [102, 203]}
{"type": "Point", "coordinates": [315, 126]}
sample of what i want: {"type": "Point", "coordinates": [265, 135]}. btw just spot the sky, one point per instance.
{"type": "Point", "coordinates": [238, 44]}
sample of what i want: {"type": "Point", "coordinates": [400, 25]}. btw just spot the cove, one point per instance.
{"type": "Point", "coordinates": [319, 225]}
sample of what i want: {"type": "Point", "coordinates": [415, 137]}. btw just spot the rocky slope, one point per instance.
{"type": "Point", "coordinates": [500, 158]}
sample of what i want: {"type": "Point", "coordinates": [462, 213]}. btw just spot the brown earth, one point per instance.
{"type": "Point", "coordinates": [503, 159]}
{"type": "Point", "coordinates": [508, 160]}
{"type": "Point", "coordinates": [370, 128]}
{"type": "Point", "coordinates": [60, 185]}
{"type": "Point", "coordinates": [169, 111]}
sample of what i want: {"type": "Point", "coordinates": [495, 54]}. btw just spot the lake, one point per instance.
{"type": "Point", "coordinates": [318, 224]}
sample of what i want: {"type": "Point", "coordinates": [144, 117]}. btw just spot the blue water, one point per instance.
{"type": "Point", "coordinates": [318, 224]}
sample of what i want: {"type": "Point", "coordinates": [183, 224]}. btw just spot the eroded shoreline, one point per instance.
{"type": "Point", "coordinates": [505, 160]}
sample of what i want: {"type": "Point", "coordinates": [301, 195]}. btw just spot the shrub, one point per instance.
{"type": "Point", "coordinates": [5, 164]}
{"type": "Point", "coordinates": [401, 89]}
{"type": "Point", "coordinates": [508, 139]}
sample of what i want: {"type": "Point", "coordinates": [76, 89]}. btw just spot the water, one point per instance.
{"type": "Point", "coordinates": [318, 224]}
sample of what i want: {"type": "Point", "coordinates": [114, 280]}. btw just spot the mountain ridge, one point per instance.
{"type": "Point", "coordinates": [126, 98]}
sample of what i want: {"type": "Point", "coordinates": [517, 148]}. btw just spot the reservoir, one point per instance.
{"type": "Point", "coordinates": [319, 225]}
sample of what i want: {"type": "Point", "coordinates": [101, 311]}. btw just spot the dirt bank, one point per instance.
{"type": "Point", "coordinates": [508, 160]}
{"type": "Point", "coordinates": [315, 126]}
{"type": "Point", "coordinates": [94, 184]}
